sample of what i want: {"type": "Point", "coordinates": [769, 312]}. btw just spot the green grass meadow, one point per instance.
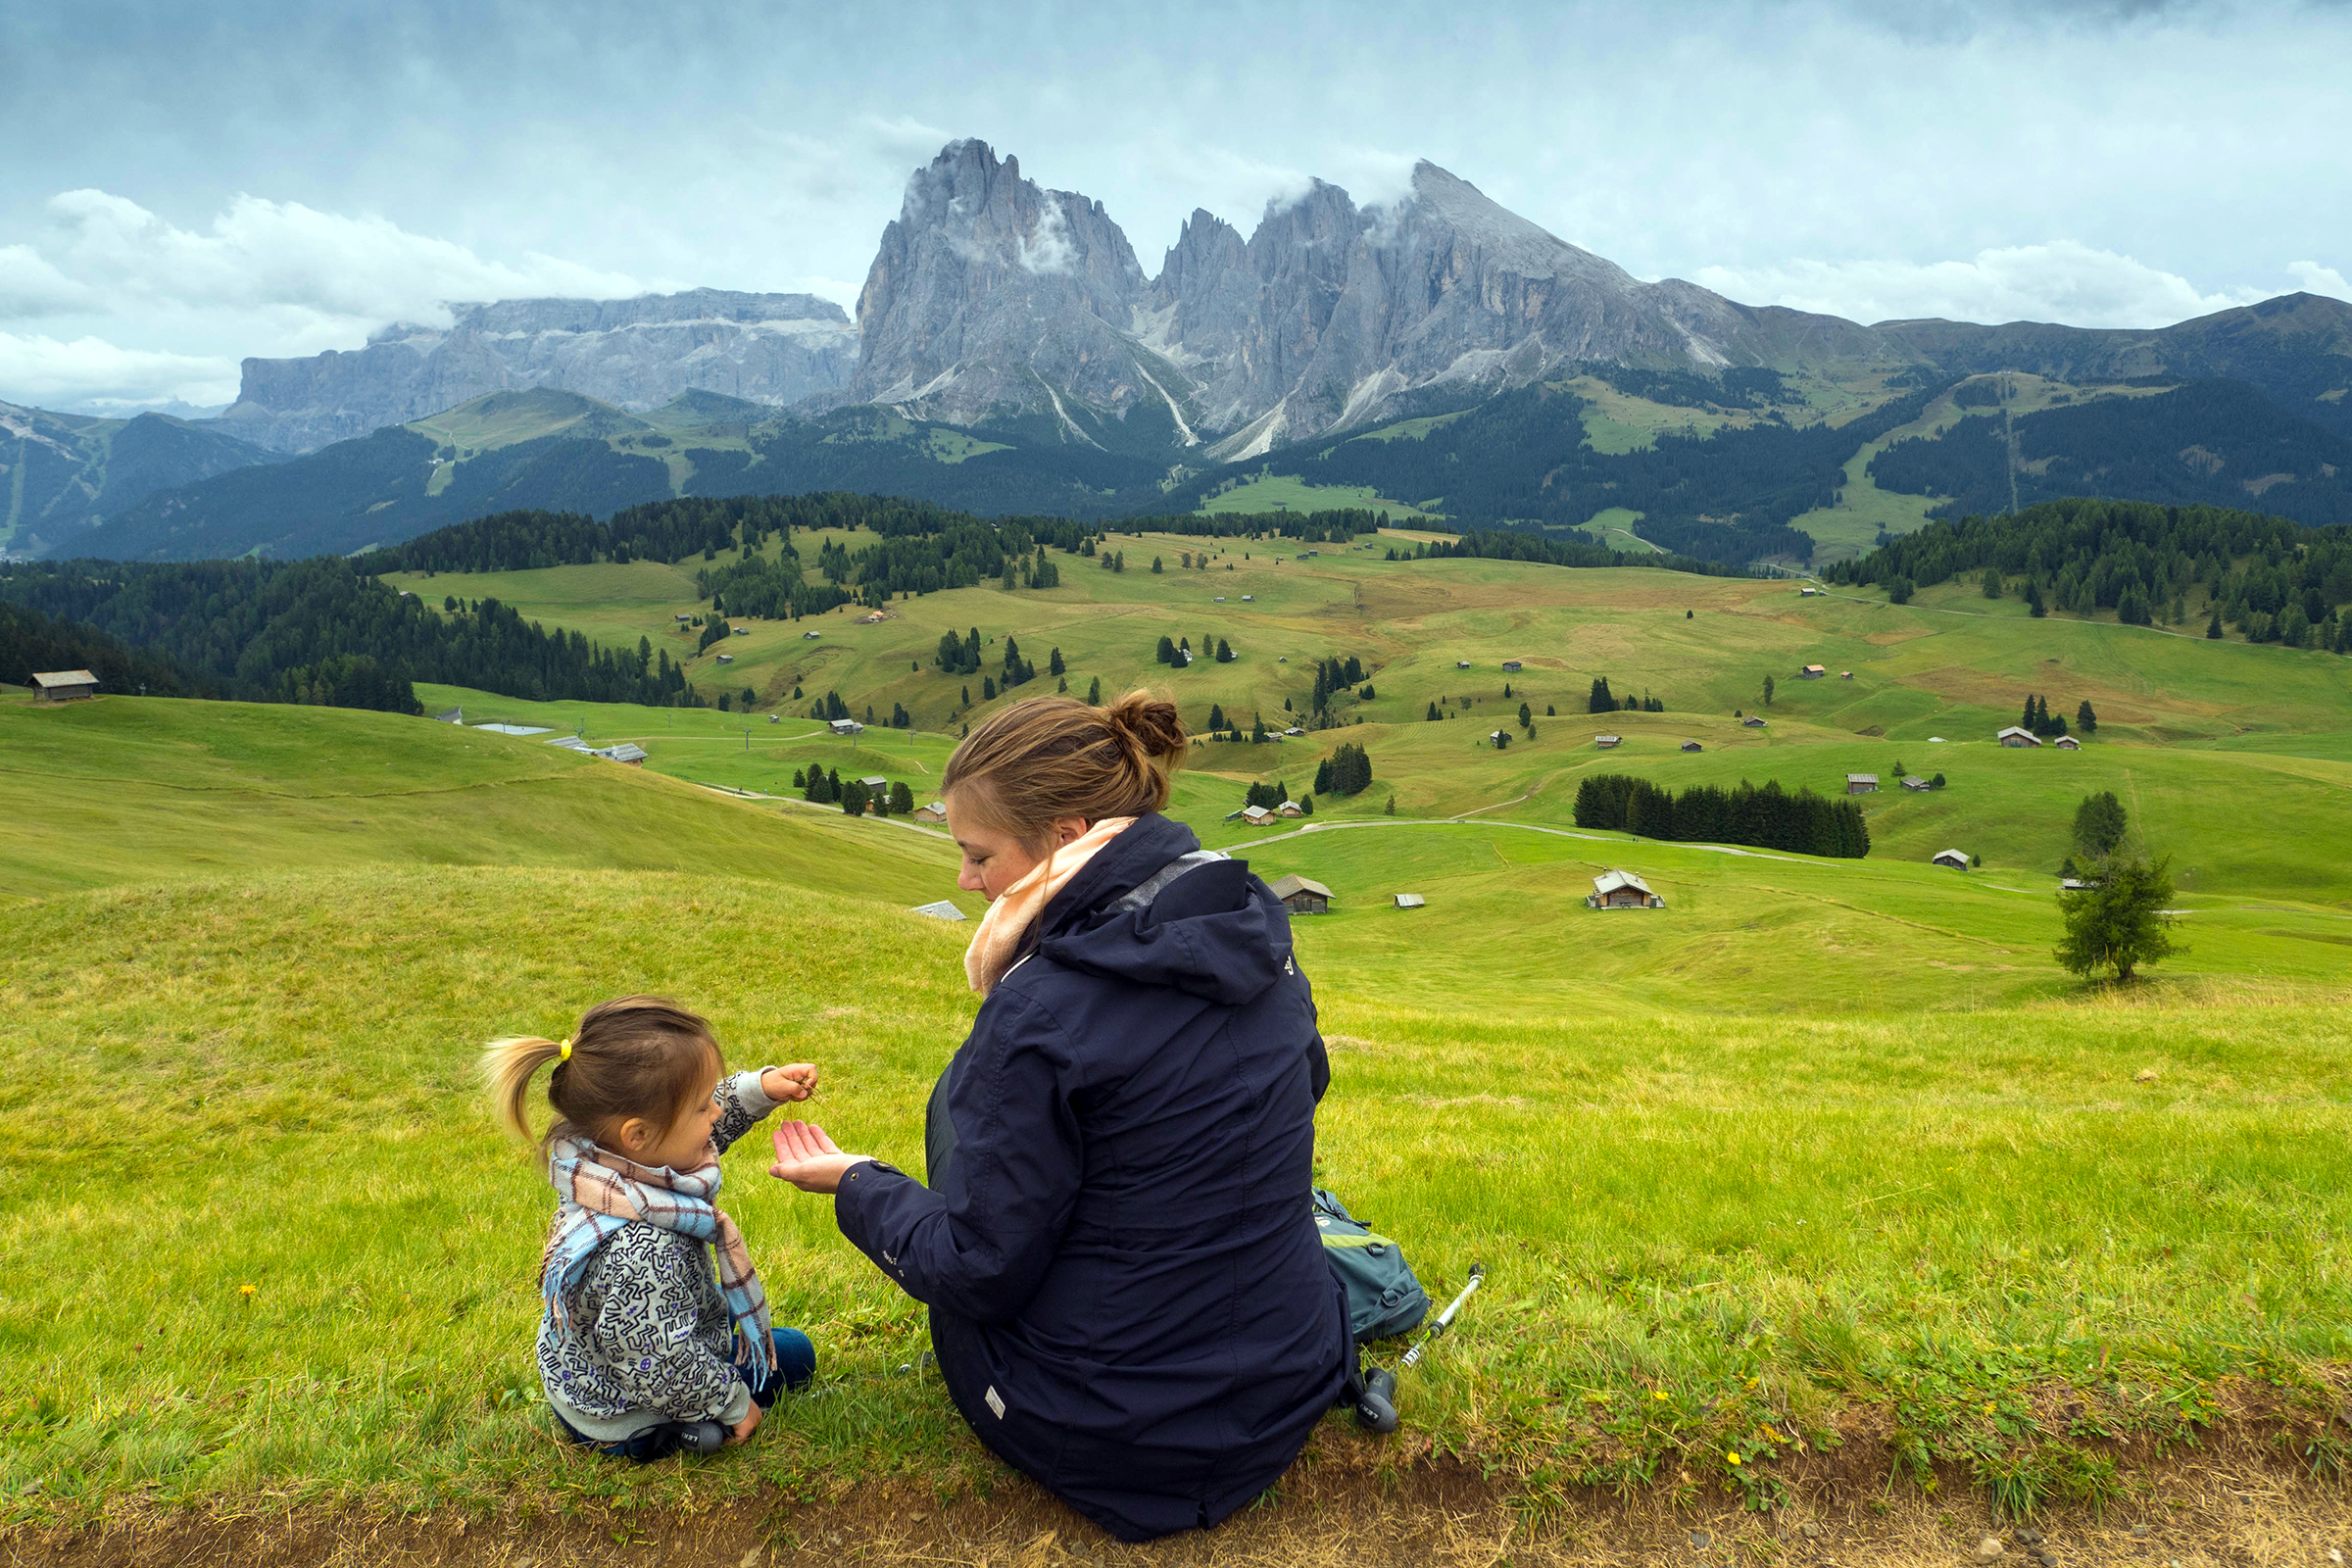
{"type": "Point", "coordinates": [1825, 1155]}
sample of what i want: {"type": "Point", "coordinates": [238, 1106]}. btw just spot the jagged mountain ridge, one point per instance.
{"type": "Point", "coordinates": [634, 354]}
{"type": "Point", "coordinates": [993, 299]}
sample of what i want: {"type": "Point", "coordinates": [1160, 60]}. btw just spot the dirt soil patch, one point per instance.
{"type": "Point", "coordinates": [2187, 1513]}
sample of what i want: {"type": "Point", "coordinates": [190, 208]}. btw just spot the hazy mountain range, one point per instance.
{"type": "Point", "coordinates": [1009, 351]}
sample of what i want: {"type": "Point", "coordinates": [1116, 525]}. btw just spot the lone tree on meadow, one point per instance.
{"type": "Point", "coordinates": [2119, 922]}
{"type": "Point", "coordinates": [2100, 824]}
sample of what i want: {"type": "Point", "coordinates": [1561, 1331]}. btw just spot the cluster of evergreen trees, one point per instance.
{"type": "Point", "coordinates": [1334, 674]}
{"type": "Point", "coordinates": [2272, 578]}
{"type": "Point", "coordinates": [1272, 794]}
{"type": "Point", "coordinates": [31, 642]}
{"type": "Point", "coordinates": [853, 796]}
{"type": "Point", "coordinates": [2039, 718]}
{"type": "Point", "coordinates": [1346, 771]}
{"type": "Point", "coordinates": [1767, 816]}
{"type": "Point", "coordinates": [1511, 544]}
{"type": "Point", "coordinates": [1604, 700]}
{"type": "Point", "coordinates": [279, 631]}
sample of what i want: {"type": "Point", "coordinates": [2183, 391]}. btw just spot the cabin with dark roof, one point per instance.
{"type": "Point", "coordinates": [1302, 895]}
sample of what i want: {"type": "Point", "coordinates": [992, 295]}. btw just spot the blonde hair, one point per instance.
{"type": "Point", "coordinates": [1049, 757]}
{"type": "Point", "coordinates": [631, 1057]}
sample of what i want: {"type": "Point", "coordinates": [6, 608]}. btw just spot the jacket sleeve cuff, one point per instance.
{"type": "Point", "coordinates": [738, 1405]}
{"type": "Point", "coordinates": [750, 1095]}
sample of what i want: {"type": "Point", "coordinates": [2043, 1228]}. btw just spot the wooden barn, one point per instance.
{"type": "Point", "coordinates": [1861, 783]}
{"type": "Point", "coordinates": [2067, 743]}
{"type": "Point", "coordinates": [1812, 672]}
{"type": "Point", "coordinates": [1692, 746]}
{"type": "Point", "coordinates": [1621, 890]}
{"type": "Point", "coordinates": [1751, 721]}
{"type": "Point", "coordinates": [63, 685]}
{"type": "Point", "coordinates": [1608, 742]}
{"type": "Point", "coordinates": [1412, 901]}
{"type": "Point", "coordinates": [1956, 859]}
{"type": "Point", "coordinates": [2017, 736]}
{"type": "Point", "coordinates": [1302, 895]}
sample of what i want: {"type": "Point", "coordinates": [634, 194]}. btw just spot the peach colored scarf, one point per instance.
{"type": "Point", "coordinates": [1006, 925]}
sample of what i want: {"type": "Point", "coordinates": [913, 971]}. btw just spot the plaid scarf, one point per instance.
{"type": "Point", "coordinates": [598, 1192]}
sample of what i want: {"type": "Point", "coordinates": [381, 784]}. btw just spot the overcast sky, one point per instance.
{"type": "Point", "coordinates": [187, 184]}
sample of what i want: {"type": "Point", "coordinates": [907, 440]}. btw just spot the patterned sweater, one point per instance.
{"type": "Point", "coordinates": [650, 1337]}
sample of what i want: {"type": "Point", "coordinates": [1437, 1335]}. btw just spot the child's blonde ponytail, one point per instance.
{"type": "Point", "coordinates": [508, 1067]}
{"type": "Point", "coordinates": [631, 1057]}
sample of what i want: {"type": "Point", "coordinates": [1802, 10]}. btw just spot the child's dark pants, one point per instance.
{"type": "Point", "coordinates": [796, 1364]}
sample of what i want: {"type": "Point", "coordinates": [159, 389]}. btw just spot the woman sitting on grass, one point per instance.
{"type": "Point", "coordinates": [1128, 1295]}
{"type": "Point", "coordinates": [644, 1347]}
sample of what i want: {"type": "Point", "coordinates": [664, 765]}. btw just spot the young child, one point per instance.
{"type": "Point", "coordinates": [643, 1339]}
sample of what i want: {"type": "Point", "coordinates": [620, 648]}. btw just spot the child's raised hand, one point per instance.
{"type": "Point", "coordinates": [809, 1159]}
{"type": "Point", "coordinates": [797, 1081]}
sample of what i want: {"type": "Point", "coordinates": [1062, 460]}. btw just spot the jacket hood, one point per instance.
{"type": "Point", "coordinates": [1206, 926]}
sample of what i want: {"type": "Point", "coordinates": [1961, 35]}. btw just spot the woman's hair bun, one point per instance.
{"type": "Point", "coordinates": [1153, 721]}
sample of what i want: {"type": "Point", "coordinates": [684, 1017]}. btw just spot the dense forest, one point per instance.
{"type": "Point", "coordinates": [1766, 816]}
{"type": "Point", "coordinates": [2210, 443]}
{"type": "Point", "coordinates": [30, 642]}
{"type": "Point", "coordinates": [1522, 458]}
{"type": "Point", "coordinates": [324, 631]}
{"type": "Point", "coordinates": [1510, 544]}
{"type": "Point", "coordinates": [2272, 579]}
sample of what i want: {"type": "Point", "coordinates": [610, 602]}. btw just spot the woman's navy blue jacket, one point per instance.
{"type": "Point", "coordinates": [1128, 1295]}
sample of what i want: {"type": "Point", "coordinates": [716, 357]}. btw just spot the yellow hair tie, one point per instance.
{"type": "Point", "coordinates": [563, 1051]}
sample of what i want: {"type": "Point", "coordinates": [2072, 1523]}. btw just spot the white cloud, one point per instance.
{"type": "Point", "coordinates": [2317, 279]}
{"type": "Point", "coordinates": [266, 278]}
{"type": "Point", "coordinates": [2063, 281]}
{"type": "Point", "coordinates": [1048, 250]}
{"type": "Point", "coordinates": [262, 253]}
{"type": "Point", "coordinates": [89, 370]}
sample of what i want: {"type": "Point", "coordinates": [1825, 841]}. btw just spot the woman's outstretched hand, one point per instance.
{"type": "Point", "coordinates": [809, 1159]}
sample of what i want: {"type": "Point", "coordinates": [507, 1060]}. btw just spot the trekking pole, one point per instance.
{"type": "Point", "coordinates": [1377, 1409]}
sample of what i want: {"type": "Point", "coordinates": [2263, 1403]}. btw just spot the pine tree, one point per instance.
{"type": "Point", "coordinates": [1155, 565]}
{"type": "Point", "coordinates": [798, 780]}
{"type": "Point", "coordinates": [1216, 717]}
{"type": "Point", "coordinates": [2034, 607]}
{"type": "Point", "coordinates": [1094, 692]}
{"type": "Point", "coordinates": [2213, 627]}
{"type": "Point", "coordinates": [1433, 712]}
{"type": "Point", "coordinates": [2085, 720]}
{"type": "Point", "coordinates": [1323, 776]}
{"type": "Point", "coordinates": [1224, 652]}
{"type": "Point", "coordinates": [1526, 714]}
{"type": "Point", "coordinates": [987, 688]}
{"type": "Point", "coordinates": [902, 799]}
{"type": "Point", "coordinates": [854, 799]}
{"type": "Point", "coordinates": [1992, 582]}
{"type": "Point", "coordinates": [1167, 651]}
{"type": "Point", "coordinates": [1602, 699]}
{"type": "Point", "coordinates": [1053, 664]}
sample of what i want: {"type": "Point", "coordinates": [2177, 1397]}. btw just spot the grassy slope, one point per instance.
{"type": "Point", "coordinates": [129, 789]}
{"type": "Point", "coordinates": [1276, 492]}
{"type": "Point", "coordinates": [1832, 1127]}
{"type": "Point", "coordinates": [1704, 1234]}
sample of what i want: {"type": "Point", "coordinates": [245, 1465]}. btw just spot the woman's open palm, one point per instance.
{"type": "Point", "coordinates": [809, 1159]}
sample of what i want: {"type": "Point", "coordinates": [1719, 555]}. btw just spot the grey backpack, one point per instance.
{"type": "Point", "coordinates": [1382, 1297]}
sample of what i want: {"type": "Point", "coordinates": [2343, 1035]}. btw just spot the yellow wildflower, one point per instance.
{"type": "Point", "coordinates": [1735, 1459]}
{"type": "Point", "coordinates": [244, 1290]}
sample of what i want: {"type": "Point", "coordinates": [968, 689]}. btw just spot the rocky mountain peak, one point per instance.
{"type": "Point", "coordinates": [987, 290]}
